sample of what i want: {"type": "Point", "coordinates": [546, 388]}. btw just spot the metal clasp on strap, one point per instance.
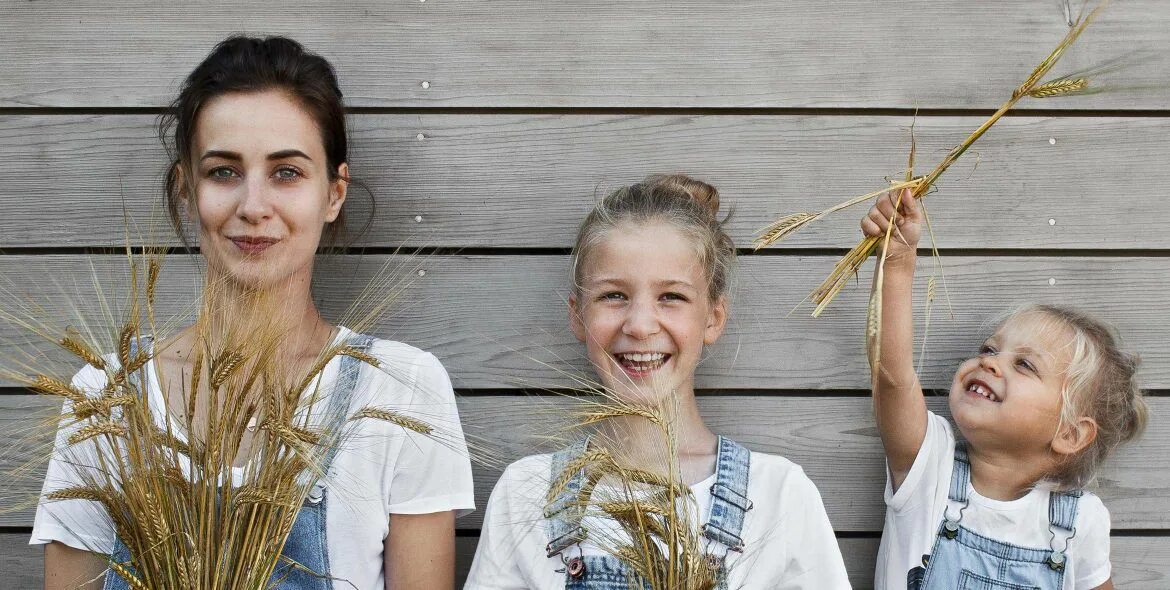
{"type": "Point", "coordinates": [731, 497]}
{"type": "Point", "coordinates": [723, 536]}
{"type": "Point", "coordinates": [572, 537]}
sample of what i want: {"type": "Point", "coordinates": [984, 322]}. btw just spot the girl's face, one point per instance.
{"type": "Point", "coordinates": [262, 188]}
{"type": "Point", "coordinates": [643, 311]}
{"type": "Point", "coordinates": [1010, 395]}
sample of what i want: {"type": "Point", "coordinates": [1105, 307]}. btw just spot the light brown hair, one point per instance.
{"type": "Point", "coordinates": [687, 204]}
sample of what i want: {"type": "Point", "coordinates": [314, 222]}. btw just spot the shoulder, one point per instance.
{"type": "Point", "coordinates": [1092, 515]}
{"type": "Point", "coordinates": [523, 485]}
{"type": "Point", "coordinates": [404, 370]}
{"type": "Point", "coordinates": [770, 474]}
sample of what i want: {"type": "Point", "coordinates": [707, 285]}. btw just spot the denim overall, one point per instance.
{"type": "Point", "coordinates": [307, 544]}
{"type": "Point", "coordinates": [965, 560]}
{"type": "Point", "coordinates": [729, 505]}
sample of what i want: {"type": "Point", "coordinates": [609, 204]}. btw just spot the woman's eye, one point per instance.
{"type": "Point", "coordinates": [287, 173]}
{"type": "Point", "coordinates": [612, 296]}
{"type": "Point", "coordinates": [1027, 365]}
{"type": "Point", "coordinates": [987, 350]}
{"type": "Point", "coordinates": [220, 173]}
{"type": "Point", "coordinates": [673, 297]}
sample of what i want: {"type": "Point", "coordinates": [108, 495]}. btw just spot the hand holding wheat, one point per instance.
{"type": "Point", "coordinates": [903, 209]}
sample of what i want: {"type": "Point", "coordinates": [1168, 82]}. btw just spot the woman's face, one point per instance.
{"type": "Point", "coordinates": [262, 188]}
{"type": "Point", "coordinates": [643, 311]}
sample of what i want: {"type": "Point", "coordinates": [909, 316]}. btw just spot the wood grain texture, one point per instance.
{"type": "Point", "coordinates": [501, 321]}
{"type": "Point", "coordinates": [528, 180]}
{"type": "Point", "coordinates": [599, 53]}
{"type": "Point", "coordinates": [833, 438]}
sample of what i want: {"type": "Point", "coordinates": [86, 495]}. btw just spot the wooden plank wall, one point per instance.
{"type": "Point", "coordinates": [487, 129]}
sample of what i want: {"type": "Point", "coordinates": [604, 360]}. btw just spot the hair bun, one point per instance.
{"type": "Point", "coordinates": [702, 193]}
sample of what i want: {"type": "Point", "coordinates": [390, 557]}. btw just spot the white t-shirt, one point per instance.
{"type": "Point", "coordinates": [914, 513]}
{"type": "Point", "coordinates": [380, 469]}
{"type": "Point", "coordinates": [789, 543]}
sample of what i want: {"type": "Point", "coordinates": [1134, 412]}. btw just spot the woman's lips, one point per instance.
{"type": "Point", "coordinates": [250, 245]}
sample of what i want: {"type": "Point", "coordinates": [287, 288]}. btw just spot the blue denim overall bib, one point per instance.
{"type": "Point", "coordinates": [307, 543]}
{"type": "Point", "coordinates": [964, 560]}
{"type": "Point", "coordinates": [729, 505]}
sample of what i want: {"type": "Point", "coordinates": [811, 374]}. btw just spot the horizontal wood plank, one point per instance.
{"type": "Point", "coordinates": [501, 321]}
{"type": "Point", "coordinates": [1139, 563]}
{"type": "Point", "coordinates": [527, 181]}
{"type": "Point", "coordinates": [833, 438]}
{"type": "Point", "coordinates": [598, 53]}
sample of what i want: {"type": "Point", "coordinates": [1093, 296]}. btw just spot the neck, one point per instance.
{"type": "Point", "coordinates": [638, 442]}
{"type": "Point", "coordinates": [284, 313]}
{"type": "Point", "coordinates": [1006, 475]}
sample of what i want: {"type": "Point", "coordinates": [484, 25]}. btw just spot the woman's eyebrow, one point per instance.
{"type": "Point", "coordinates": [282, 154]}
{"type": "Point", "coordinates": [221, 154]}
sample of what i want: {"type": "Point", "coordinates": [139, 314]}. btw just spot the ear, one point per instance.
{"type": "Point", "coordinates": [338, 189]}
{"type": "Point", "coordinates": [1075, 437]}
{"type": "Point", "coordinates": [716, 320]}
{"type": "Point", "coordinates": [178, 178]}
{"type": "Point", "coordinates": [575, 322]}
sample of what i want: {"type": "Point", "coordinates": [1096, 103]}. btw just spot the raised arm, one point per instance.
{"type": "Point", "coordinates": [898, 404]}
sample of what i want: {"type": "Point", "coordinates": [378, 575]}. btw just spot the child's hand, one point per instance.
{"type": "Point", "coordinates": [907, 226]}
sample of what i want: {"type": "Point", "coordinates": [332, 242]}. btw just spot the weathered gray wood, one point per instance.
{"type": "Point", "coordinates": [832, 438]}
{"type": "Point", "coordinates": [1139, 563]}
{"type": "Point", "coordinates": [500, 321]}
{"type": "Point", "coordinates": [527, 181]}
{"type": "Point", "coordinates": [600, 53]}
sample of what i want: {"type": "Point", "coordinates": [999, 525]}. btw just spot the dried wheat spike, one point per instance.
{"type": "Point", "coordinates": [394, 418]}
{"type": "Point", "coordinates": [50, 386]}
{"type": "Point", "coordinates": [83, 352]}
{"type": "Point", "coordinates": [223, 367]}
{"type": "Point", "coordinates": [91, 493]}
{"type": "Point", "coordinates": [152, 271]}
{"type": "Point", "coordinates": [137, 362]}
{"type": "Point", "coordinates": [782, 228]}
{"type": "Point", "coordinates": [291, 435]}
{"type": "Point", "coordinates": [127, 575]}
{"type": "Point", "coordinates": [170, 441]}
{"type": "Point", "coordinates": [92, 430]}
{"type": "Point", "coordinates": [621, 507]}
{"type": "Point", "coordinates": [588, 418]}
{"type": "Point", "coordinates": [124, 340]}
{"type": "Point", "coordinates": [359, 355]}
{"type": "Point", "coordinates": [1059, 87]}
{"type": "Point", "coordinates": [588, 458]}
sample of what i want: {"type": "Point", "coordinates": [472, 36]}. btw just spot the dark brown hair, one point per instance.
{"type": "Point", "coordinates": [252, 64]}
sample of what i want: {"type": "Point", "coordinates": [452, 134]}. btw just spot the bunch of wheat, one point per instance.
{"type": "Point", "coordinates": [919, 186]}
{"type": "Point", "coordinates": [203, 503]}
{"type": "Point", "coordinates": [633, 480]}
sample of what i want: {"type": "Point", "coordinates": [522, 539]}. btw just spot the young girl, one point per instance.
{"type": "Point", "coordinates": [260, 168]}
{"type": "Point", "coordinates": [1049, 396]}
{"type": "Point", "coordinates": [650, 269]}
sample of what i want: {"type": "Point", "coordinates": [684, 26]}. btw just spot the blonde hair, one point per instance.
{"type": "Point", "coordinates": [1100, 383]}
{"type": "Point", "coordinates": [689, 205]}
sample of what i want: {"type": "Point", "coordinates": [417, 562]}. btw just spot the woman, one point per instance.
{"type": "Point", "coordinates": [260, 168]}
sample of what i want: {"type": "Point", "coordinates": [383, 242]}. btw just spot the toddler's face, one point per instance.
{"type": "Point", "coordinates": [643, 311]}
{"type": "Point", "coordinates": [1010, 395]}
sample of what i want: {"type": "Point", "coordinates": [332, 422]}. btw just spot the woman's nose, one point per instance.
{"type": "Point", "coordinates": [254, 205]}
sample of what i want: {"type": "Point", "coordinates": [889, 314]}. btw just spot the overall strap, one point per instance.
{"type": "Point", "coordinates": [729, 495]}
{"type": "Point", "coordinates": [1062, 509]}
{"type": "Point", "coordinates": [1062, 514]}
{"type": "Point", "coordinates": [565, 512]}
{"type": "Point", "coordinates": [339, 398]}
{"type": "Point", "coordinates": [960, 475]}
